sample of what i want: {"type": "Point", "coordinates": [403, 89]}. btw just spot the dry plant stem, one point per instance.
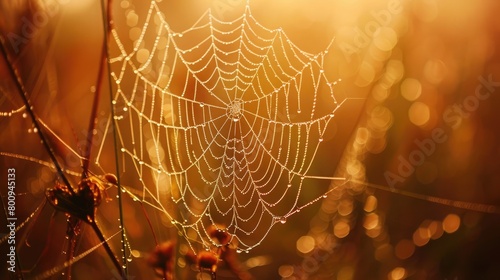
{"type": "Point", "coordinates": [101, 237]}
{"type": "Point", "coordinates": [73, 228]}
{"type": "Point", "coordinates": [90, 135]}
{"type": "Point", "coordinates": [86, 159]}
{"type": "Point", "coordinates": [20, 88]}
{"type": "Point", "coordinates": [149, 223]}
{"type": "Point", "coordinates": [107, 23]}
{"type": "Point", "coordinates": [71, 253]}
{"type": "Point", "coordinates": [95, 106]}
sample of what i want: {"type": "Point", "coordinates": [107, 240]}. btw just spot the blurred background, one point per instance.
{"type": "Point", "coordinates": [429, 75]}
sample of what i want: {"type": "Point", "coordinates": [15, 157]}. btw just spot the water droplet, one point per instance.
{"type": "Point", "coordinates": [25, 115]}
{"type": "Point", "coordinates": [238, 251]}
{"type": "Point", "coordinates": [298, 111]}
{"type": "Point", "coordinates": [202, 104]}
{"type": "Point", "coordinates": [325, 196]}
{"type": "Point", "coordinates": [320, 139]}
{"type": "Point", "coordinates": [283, 220]}
{"type": "Point", "coordinates": [124, 266]}
{"type": "Point", "coordinates": [129, 259]}
{"type": "Point", "coordinates": [289, 185]}
{"type": "Point", "coordinates": [236, 119]}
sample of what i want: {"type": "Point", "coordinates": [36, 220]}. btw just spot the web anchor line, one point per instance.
{"type": "Point", "coordinates": [471, 206]}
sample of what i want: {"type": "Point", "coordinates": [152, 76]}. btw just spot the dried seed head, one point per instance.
{"type": "Point", "coordinates": [207, 261]}
{"type": "Point", "coordinates": [219, 234]}
{"type": "Point", "coordinates": [162, 254]}
{"type": "Point", "coordinates": [81, 204]}
{"type": "Point", "coordinates": [162, 257]}
{"type": "Point", "coordinates": [111, 178]}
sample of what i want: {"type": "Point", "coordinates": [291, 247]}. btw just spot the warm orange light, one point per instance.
{"type": "Point", "coordinates": [285, 271]}
{"type": "Point", "coordinates": [451, 223]}
{"type": "Point", "coordinates": [371, 221]}
{"type": "Point", "coordinates": [305, 244]}
{"type": "Point", "coordinates": [411, 89]}
{"type": "Point", "coordinates": [341, 229]}
{"type": "Point", "coordinates": [419, 113]}
{"type": "Point", "coordinates": [370, 203]}
{"type": "Point", "coordinates": [404, 249]}
{"type": "Point", "coordinates": [397, 273]}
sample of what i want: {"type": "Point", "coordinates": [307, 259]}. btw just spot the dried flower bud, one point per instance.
{"type": "Point", "coordinates": [162, 258]}
{"type": "Point", "coordinates": [111, 178]}
{"type": "Point", "coordinates": [219, 234]}
{"type": "Point", "coordinates": [207, 261]}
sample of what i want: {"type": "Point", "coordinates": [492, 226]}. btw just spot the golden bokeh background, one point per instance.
{"type": "Point", "coordinates": [427, 73]}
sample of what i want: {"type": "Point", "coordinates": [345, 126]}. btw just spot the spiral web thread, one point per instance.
{"type": "Point", "coordinates": [220, 122]}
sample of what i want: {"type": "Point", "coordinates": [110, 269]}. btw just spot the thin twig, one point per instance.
{"type": "Point", "coordinates": [101, 237]}
{"type": "Point", "coordinates": [20, 88]}
{"type": "Point", "coordinates": [107, 22]}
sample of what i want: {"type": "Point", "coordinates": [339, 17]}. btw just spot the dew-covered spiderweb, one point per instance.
{"type": "Point", "coordinates": [221, 121]}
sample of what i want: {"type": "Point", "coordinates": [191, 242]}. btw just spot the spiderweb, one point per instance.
{"type": "Point", "coordinates": [221, 122]}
